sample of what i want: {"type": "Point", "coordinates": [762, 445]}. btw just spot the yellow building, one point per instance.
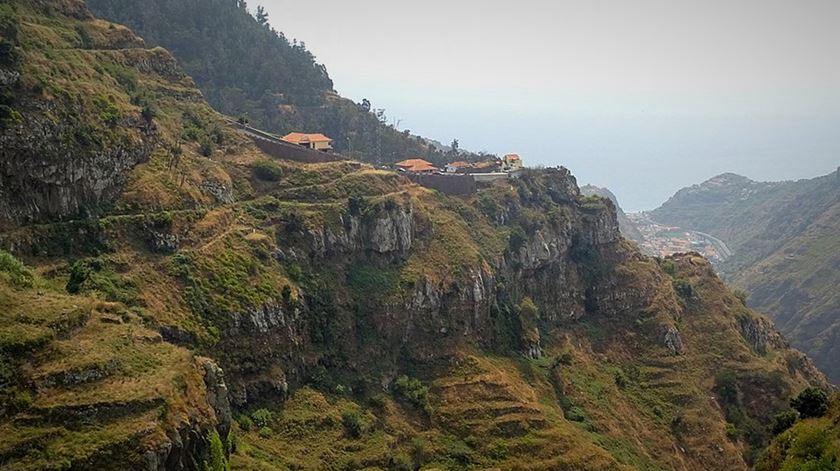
{"type": "Point", "coordinates": [512, 162]}
{"type": "Point", "coordinates": [310, 141]}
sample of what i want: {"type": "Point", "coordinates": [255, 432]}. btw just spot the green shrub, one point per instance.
{"type": "Point", "coordinates": [217, 458]}
{"type": "Point", "coordinates": [295, 272]}
{"type": "Point", "coordinates": [575, 414]}
{"type": "Point", "coordinates": [726, 387]}
{"type": "Point", "coordinates": [564, 358]}
{"type": "Point", "coordinates": [262, 417]}
{"type": "Point", "coordinates": [108, 112]}
{"type": "Point", "coordinates": [94, 275]}
{"type": "Point", "coordinates": [245, 422]}
{"type": "Point", "coordinates": [267, 170]}
{"type": "Point", "coordinates": [265, 432]}
{"type": "Point", "coordinates": [367, 279]}
{"type": "Point", "coordinates": [784, 421]}
{"type": "Point", "coordinates": [286, 293]}
{"type": "Point", "coordinates": [205, 146]}
{"type": "Point", "coordinates": [353, 423]}
{"type": "Point", "coordinates": [413, 391]}
{"type": "Point", "coordinates": [18, 274]}
{"type": "Point", "coordinates": [811, 447]}
{"type": "Point", "coordinates": [732, 432]}
{"type": "Point", "coordinates": [812, 402]}
{"type": "Point", "coordinates": [668, 266]}
{"type": "Point", "coordinates": [21, 400]}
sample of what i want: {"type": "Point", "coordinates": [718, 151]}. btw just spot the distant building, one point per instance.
{"type": "Point", "coordinates": [416, 166]}
{"type": "Point", "coordinates": [310, 141]}
{"type": "Point", "coordinates": [456, 167]}
{"type": "Point", "coordinates": [512, 162]}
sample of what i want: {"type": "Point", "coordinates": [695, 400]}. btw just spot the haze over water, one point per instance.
{"type": "Point", "coordinates": [642, 97]}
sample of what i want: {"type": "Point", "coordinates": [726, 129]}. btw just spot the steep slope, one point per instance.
{"type": "Point", "coordinates": [245, 68]}
{"type": "Point", "coordinates": [358, 320]}
{"type": "Point", "coordinates": [786, 242]}
{"type": "Point", "coordinates": [812, 443]}
{"type": "Point", "coordinates": [85, 384]}
{"type": "Point", "coordinates": [627, 228]}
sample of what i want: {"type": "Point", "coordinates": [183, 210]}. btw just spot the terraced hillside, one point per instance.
{"type": "Point", "coordinates": [786, 251]}
{"type": "Point", "coordinates": [164, 276]}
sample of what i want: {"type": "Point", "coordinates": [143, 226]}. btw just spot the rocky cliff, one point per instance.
{"type": "Point", "coordinates": [628, 229]}
{"type": "Point", "coordinates": [79, 119]}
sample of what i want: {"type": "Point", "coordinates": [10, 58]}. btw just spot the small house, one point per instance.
{"type": "Point", "coordinates": [310, 141]}
{"type": "Point", "coordinates": [416, 166]}
{"type": "Point", "coordinates": [512, 162]}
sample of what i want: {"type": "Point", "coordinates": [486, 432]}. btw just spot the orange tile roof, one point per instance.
{"type": "Point", "coordinates": [413, 163]}
{"type": "Point", "coordinates": [513, 157]}
{"type": "Point", "coordinates": [304, 138]}
{"type": "Point", "coordinates": [459, 164]}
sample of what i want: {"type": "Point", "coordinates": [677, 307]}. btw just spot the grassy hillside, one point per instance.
{"type": "Point", "coordinates": [812, 443]}
{"type": "Point", "coordinates": [86, 383]}
{"type": "Point", "coordinates": [786, 250]}
{"type": "Point", "coordinates": [246, 68]}
{"type": "Point", "coordinates": [345, 317]}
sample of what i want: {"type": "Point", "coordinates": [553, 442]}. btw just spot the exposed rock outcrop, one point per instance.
{"type": "Point", "coordinates": [388, 231]}
{"type": "Point", "coordinates": [760, 333]}
{"type": "Point", "coordinates": [46, 175]}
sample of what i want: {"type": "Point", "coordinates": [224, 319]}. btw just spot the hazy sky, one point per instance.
{"type": "Point", "coordinates": [641, 96]}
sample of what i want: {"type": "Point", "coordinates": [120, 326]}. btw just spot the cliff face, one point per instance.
{"type": "Point", "coordinates": [628, 229]}
{"type": "Point", "coordinates": [79, 117]}
{"type": "Point", "coordinates": [785, 250]}
{"type": "Point", "coordinates": [346, 317]}
{"type": "Point", "coordinates": [85, 383]}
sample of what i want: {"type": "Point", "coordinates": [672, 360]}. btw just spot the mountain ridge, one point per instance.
{"type": "Point", "coordinates": [784, 238]}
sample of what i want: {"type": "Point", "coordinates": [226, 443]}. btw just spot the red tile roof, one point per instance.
{"type": "Point", "coordinates": [413, 163]}
{"type": "Point", "coordinates": [304, 138]}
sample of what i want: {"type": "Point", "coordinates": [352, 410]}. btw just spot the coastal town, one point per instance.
{"type": "Point", "coordinates": [661, 240]}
